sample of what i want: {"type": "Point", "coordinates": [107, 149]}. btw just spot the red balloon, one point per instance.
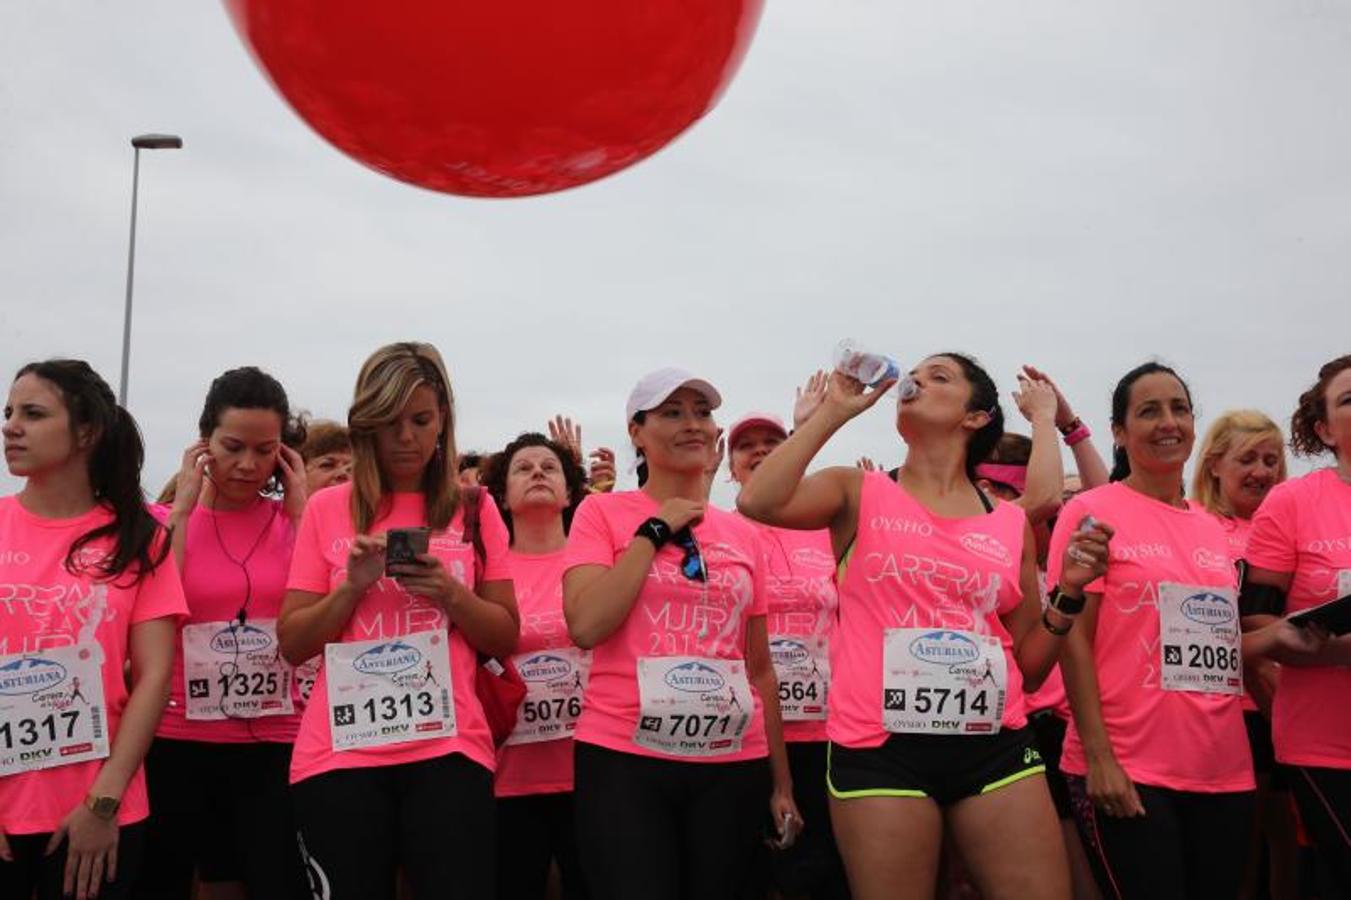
{"type": "Point", "coordinates": [499, 98]}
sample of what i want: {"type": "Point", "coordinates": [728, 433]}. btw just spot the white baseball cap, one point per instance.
{"type": "Point", "coordinates": [655, 387]}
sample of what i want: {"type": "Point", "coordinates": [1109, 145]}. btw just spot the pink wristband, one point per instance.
{"type": "Point", "coordinates": [1078, 435]}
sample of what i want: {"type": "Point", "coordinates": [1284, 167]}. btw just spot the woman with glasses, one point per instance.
{"type": "Point", "coordinates": [681, 709]}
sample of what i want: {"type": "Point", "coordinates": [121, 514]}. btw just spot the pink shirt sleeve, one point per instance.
{"type": "Point", "coordinates": [1271, 544]}
{"type": "Point", "coordinates": [160, 593]}
{"type": "Point", "coordinates": [496, 540]}
{"type": "Point", "coordinates": [309, 569]}
{"type": "Point", "coordinates": [589, 540]}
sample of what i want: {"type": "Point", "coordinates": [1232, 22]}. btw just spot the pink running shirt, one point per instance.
{"type": "Point", "coordinates": [803, 601]}
{"type": "Point", "coordinates": [544, 767]}
{"type": "Point", "coordinates": [1304, 528]}
{"type": "Point", "coordinates": [911, 569]}
{"type": "Point", "coordinates": [43, 607]}
{"type": "Point", "coordinates": [386, 610]}
{"type": "Point", "coordinates": [672, 615]}
{"type": "Point", "coordinates": [215, 588]}
{"type": "Point", "coordinates": [1183, 740]}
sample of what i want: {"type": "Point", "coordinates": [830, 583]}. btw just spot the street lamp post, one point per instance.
{"type": "Point", "coordinates": [139, 143]}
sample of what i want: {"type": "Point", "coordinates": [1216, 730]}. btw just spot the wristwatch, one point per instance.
{"type": "Point", "coordinates": [1063, 603]}
{"type": "Point", "coordinates": [103, 807]}
{"type": "Point", "coordinates": [655, 530]}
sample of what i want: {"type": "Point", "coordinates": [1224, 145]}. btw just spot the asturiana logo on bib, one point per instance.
{"type": "Point", "coordinates": [1208, 609]}
{"type": "Point", "coordinates": [986, 547]}
{"type": "Point", "coordinates": [30, 675]}
{"type": "Point", "coordinates": [695, 678]}
{"type": "Point", "coordinates": [788, 652]}
{"type": "Point", "coordinates": [544, 667]}
{"type": "Point", "coordinates": [944, 648]}
{"type": "Point", "coordinates": [240, 639]}
{"type": "Point", "coordinates": [387, 659]}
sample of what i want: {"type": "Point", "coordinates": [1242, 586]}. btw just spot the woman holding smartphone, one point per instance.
{"type": "Point", "coordinates": [394, 760]}
{"type": "Point", "coordinates": [682, 708]}
{"type": "Point", "coordinates": [91, 589]}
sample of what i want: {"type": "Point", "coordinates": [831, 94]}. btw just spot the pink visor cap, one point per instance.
{"type": "Point", "coordinates": [655, 387]}
{"type": "Point", "coordinates": [754, 420]}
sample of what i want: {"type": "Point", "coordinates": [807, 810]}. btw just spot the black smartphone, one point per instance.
{"type": "Point", "coordinates": [403, 546]}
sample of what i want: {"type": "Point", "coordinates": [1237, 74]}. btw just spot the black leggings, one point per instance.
{"type": "Point", "coordinates": [667, 830]}
{"type": "Point", "coordinates": [32, 871]}
{"type": "Point", "coordinates": [1187, 846]}
{"type": "Point", "coordinates": [223, 810]}
{"type": "Point", "coordinates": [1324, 800]}
{"type": "Point", "coordinates": [435, 818]}
{"type": "Point", "coordinates": [532, 832]}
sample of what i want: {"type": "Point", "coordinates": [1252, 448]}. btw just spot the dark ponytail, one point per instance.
{"type": "Point", "coordinates": [114, 472]}
{"type": "Point", "coordinates": [984, 398]}
{"type": "Point", "coordinates": [1121, 401]}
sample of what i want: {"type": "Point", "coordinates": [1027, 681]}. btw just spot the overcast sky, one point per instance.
{"type": "Point", "coordinates": [1078, 185]}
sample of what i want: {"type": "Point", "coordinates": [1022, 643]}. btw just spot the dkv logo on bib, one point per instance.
{"type": "Point", "coordinates": [387, 659]}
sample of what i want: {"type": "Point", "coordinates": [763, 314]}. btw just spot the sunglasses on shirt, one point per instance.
{"type": "Point", "coordinates": [692, 564]}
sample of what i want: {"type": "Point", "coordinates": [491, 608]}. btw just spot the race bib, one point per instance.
{"type": "Point", "coordinates": [234, 671]}
{"type": "Point", "coordinates": [52, 711]}
{"type": "Point", "coordinates": [802, 665]}
{"type": "Point", "coordinates": [390, 691]}
{"type": "Point", "coordinates": [942, 682]}
{"type": "Point", "coordinates": [1199, 639]}
{"type": "Point", "coordinates": [554, 680]}
{"type": "Point", "coordinates": [305, 675]}
{"type": "Point", "coordinates": [692, 705]}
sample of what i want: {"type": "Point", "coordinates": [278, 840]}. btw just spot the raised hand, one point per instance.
{"type": "Point", "coordinates": [807, 399]}
{"type": "Point", "coordinates": [563, 431]}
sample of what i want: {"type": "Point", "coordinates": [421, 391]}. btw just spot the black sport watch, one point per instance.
{"type": "Point", "coordinates": [655, 530]}
{"type": "Point", "coordinates": [1063, 603]}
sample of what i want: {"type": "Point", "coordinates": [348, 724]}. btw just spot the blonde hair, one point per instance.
{"type": "Point", "coordinates": [1236, 428]}
{"type": "Point", "coordinates": [384, 386]}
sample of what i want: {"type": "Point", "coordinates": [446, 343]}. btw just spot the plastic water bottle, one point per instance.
{"type": "Point", "coordinates": [907, 388]}
{"type": "Point", "coordinates": [870, 368]}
